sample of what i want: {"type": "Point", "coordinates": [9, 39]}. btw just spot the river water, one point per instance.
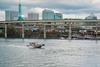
{"type": "Point", "coordinates": [55, 53]}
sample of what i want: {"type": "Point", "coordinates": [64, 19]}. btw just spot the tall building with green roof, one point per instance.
{"type": "Point", "coordinates": [20, 18]}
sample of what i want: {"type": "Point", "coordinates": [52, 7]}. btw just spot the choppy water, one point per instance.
{"type": "Point", "coordinates": [56, 53]}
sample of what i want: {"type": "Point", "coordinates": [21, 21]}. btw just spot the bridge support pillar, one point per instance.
{"type": "Point", "coordinates": [44, 31]}
{"type": "Point", "coordinates": [5, 30]}
{"type": "Point", "coordinates": [70, 31]}
{"type": "Point", "coordinates": [23, 31]}
{"type": "Point", "coordinates": [96, 31]}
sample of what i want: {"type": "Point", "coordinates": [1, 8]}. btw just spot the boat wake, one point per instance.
{"type": "Point", "coordinates": [14, 46]}
{"type": "Point", "coordinates": [17, 46]}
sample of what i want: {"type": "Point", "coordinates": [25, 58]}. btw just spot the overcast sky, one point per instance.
{"type": "Point", "coordinates": [69, 8]}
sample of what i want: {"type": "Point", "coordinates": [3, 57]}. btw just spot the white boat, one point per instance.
{"type": "Point", "coordinates": [34, 45]}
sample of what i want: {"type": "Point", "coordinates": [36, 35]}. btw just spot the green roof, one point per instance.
{"type": "Point", "coordinates": [20, 18]}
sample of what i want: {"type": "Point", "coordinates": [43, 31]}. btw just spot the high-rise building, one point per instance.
{"type": "Point", "coordinates": [33, 16]}
{"type": "Point", "coordinates": [48, 15]}
{"type": "Point", "coordinates": [58, 16]}
{"type": "Point", "coordinates": [20, 18]}
{"type": "Point", "coordinates": [11, 15]}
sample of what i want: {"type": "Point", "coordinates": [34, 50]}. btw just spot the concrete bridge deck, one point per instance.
{"type": "Point", "coordinates": [39, 21]}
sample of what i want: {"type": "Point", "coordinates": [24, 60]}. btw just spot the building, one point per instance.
{"type": "Point", "coordinates": [20, 17]}
{"type": "Point", "coordinates": [91, 17]}
{"type": "Point", "coordinates": [58, 16]}
{"type": "Point", "coordinates": [89, 25]}
{"type": "Point", "coordinates": [33, 16]}
{"type": "Point", "coordinates": [48, 15]}
{"type": "Point", "coordinates": [11, 15]}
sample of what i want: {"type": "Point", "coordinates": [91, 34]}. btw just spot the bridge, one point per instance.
{"type": "Point", "coordinates": [44, 23]}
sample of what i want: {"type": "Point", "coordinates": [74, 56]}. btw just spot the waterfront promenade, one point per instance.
{"type": "Point", "coordinates": [53, 29]}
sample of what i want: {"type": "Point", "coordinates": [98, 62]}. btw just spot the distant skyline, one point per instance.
{"type": "Point", "coordinates": [69, 8]}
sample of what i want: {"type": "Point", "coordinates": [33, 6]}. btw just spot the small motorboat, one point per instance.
{"type": "Point", "coordinates": [34, 45]}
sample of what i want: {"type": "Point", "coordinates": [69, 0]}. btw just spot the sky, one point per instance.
{"type": "Point", "coordinates": [69, 8]}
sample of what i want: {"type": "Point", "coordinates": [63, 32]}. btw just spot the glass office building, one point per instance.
{"type": "Point", "coordinates": [48, 15]}
{"type": "Point", "coordinates": [58, 16]}
{"type": "Point", "coordinates": [11, 15]}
